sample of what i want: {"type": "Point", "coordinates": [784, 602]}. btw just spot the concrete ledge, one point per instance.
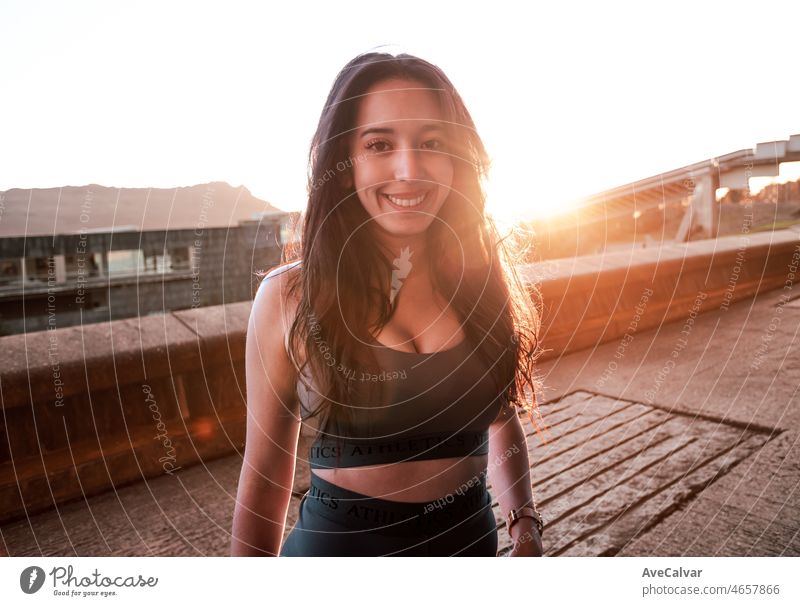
{"type": "Point", "coordinates": [590, 300]}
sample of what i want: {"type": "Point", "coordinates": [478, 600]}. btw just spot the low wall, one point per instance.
{"type": "Point", "coordinates": [92, 407]}
{"type": "Point", "coordinates": [590, 300]}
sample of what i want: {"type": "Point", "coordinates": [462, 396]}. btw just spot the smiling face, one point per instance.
{"type": "Point", "coordinates": [402, 170]}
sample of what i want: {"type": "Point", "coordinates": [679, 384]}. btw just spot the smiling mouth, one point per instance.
{"type": "Point", "coordinates": [406, 200]}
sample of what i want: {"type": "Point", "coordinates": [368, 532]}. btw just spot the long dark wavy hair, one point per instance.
{"type": "Point", "coordinates": [343, 276]}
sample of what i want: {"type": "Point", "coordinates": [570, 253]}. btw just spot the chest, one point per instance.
{"type": "Point", "coordinates": [412, 394]}
{"type": "Point", "coordinates": [423, 322]}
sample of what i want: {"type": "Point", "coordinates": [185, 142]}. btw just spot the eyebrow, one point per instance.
{"type": "Point", "coordinates": [390, 131]}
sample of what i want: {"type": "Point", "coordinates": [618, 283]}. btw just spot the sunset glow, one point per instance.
{"type": "Point", "coordinates": [241, 99]}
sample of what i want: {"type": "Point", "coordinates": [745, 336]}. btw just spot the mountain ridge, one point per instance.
{"type": "Point", "coordinates": [73, 208]}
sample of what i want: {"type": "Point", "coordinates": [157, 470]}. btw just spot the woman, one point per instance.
{"type": "Point", "coordinates": [401, 330]}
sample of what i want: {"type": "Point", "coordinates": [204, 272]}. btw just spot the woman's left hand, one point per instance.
{"type": "Point", "coordinates": [527, 540]}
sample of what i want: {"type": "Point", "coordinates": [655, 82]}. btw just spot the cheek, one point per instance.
{"type": "Point", "coordinates": [442, 171]}
{"type": "Point", "coordinates": [366, 176]}
{"type": "Point", "coordinates": [444, 175]}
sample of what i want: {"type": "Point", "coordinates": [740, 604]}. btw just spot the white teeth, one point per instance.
{"type": "Point", "coordinates": [406, 203]}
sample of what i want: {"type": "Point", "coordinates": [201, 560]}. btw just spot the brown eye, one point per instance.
{"type": "Point", "coordinates": [378, 146]}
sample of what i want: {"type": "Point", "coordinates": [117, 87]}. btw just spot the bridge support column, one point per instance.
{"type": "Point", "coordinates": [702, 215]}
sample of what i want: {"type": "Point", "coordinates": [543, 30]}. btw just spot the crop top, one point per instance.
{"type": "Point", "coordinates": [428, 406]}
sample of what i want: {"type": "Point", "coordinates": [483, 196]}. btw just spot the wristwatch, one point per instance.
{"type": "Point", "coordinates": [525, 512]}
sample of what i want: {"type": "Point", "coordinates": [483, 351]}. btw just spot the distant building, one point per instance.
{"type": "Point", "coordinates": [96, 275]}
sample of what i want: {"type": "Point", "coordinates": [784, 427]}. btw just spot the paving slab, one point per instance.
{"type": "Point", "coordinates": [753, 510]}
{"type": "Point", "coordinates": [189, 513]}
{"type": "Point", "coordinates": [737, 369]}
{"type": "Point", "coordinates": [729, 365]}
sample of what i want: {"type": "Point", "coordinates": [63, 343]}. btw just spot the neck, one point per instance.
{"type": "Point", "coordinates": [410, 251]}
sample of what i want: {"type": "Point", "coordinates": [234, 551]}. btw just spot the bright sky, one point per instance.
{"type": "Point", "coordinates": [570, 98]}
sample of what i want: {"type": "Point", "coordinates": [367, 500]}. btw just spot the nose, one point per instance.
{"type": "Point", "coordinates": [408, 164]}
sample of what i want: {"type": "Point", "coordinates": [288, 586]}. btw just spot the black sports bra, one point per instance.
{"type": "Point", "coordinates": [426, 406]}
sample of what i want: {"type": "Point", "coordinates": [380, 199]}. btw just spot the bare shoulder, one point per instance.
{"type": "Point", "coordinates": [276, 300]}
{"type": "Point", "coordinates": [293, 267]}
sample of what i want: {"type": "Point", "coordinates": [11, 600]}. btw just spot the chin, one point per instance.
{"type": "Point", "coordinates": [418, 226]}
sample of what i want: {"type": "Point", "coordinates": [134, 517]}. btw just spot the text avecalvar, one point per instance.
{"type": "Point", "coordinates": [671, 572]}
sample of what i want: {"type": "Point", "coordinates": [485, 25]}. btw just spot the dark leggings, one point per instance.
{"type": "Point", "coordinates": [334, 521]}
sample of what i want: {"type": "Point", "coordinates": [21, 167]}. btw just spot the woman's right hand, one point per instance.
{"type": "Point", "coordinates": [527, 541]}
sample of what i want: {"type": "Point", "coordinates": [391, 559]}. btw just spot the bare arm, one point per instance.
{"type": "Point", "coordinates": [273, 427]}
{"type": "Point", "coordinates": [510, 477]}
